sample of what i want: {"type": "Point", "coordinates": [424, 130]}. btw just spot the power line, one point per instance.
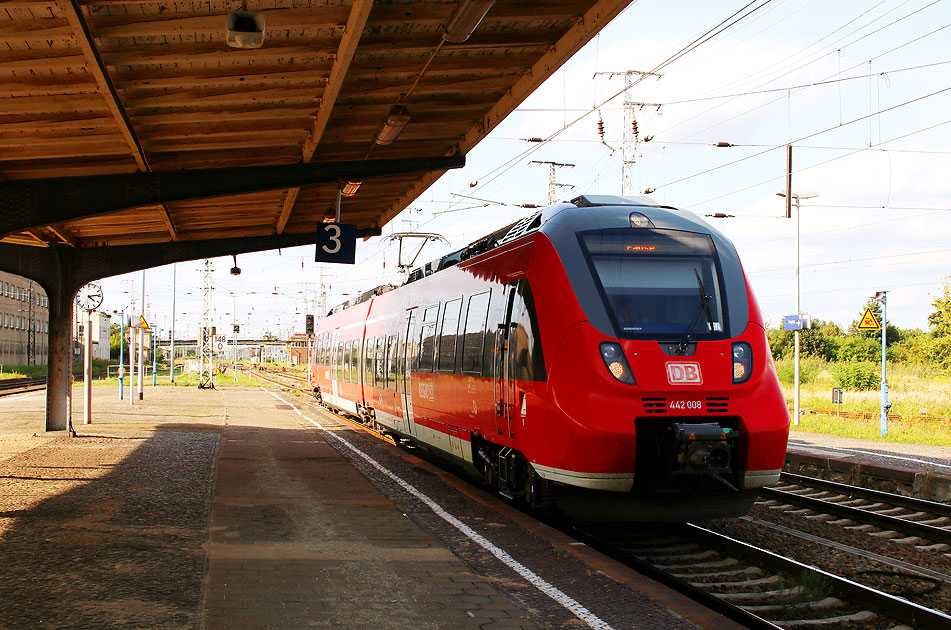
{"type": "Point", "coordinates": [804, 86]}
{"type": "Point", "coordinates": [839, 157]}
{"type": "Point", "coordinates": [812, 135]}
{"type": "Point", "coordinates": [740, 115]}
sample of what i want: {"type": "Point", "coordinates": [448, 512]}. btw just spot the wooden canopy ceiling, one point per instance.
{"type": "Point", "coordinates": [121, 86]}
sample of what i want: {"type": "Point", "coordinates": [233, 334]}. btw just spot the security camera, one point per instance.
{"type": "Point", "coordinates": [245, 29]}
{"type": "Point", "coordinates": [888, 405]}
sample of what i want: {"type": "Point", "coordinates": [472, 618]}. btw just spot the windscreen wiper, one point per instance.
{"type": "Point", "coordinates": [705, 299]}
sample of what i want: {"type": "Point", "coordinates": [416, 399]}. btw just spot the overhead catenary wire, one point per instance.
{"type": "Point", "coordinates": [768, 103]}
{"type": "Point", "coordinates": [812, 135]}
{"type": "Point", "coordinates": [839, 157]}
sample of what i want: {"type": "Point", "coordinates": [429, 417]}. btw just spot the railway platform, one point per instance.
{"type": "Point", "coordinates": [240, 508]}
{"type": "Point", "coordinates": [913, 469]}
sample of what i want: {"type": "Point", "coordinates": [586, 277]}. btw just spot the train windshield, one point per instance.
{"type": "Point", "coordinates": [659, 284]}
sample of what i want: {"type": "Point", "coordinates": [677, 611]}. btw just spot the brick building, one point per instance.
{"type": "Point", "coordinates": [24, 321]}
{"type": "Point", "coordinates": [297, 349]}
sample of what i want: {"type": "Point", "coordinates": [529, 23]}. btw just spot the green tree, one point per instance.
{"type": "Point", "coordinates": [114, 341]}
{"type": "Point", "coordinates": [813, 342]}
{"type": "Point", "coordinates": [940, 320]}
{"type": "Point", "coordinates": [858, 348]}
{"type": "Point", "coordinates": [912, 349]}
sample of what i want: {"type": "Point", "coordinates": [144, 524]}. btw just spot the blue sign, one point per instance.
{"type": "Point", "coordinates": [336, 243]}
{"type": "Point", "coordinates": [792, 322]}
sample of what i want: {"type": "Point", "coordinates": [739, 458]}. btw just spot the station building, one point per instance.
{"type": "Point", "coordinates": [24, 321]}
{"type": "Point", "coordinates": [101, 330]}
{"type": "Point", "coordinates": [297, 348]}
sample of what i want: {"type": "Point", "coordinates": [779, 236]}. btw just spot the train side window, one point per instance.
{"type": "Point", "coordinates": [348, 348]}
{"type": "Point", "coordinates": [474, 340]}
{"type": "Point", "coordinates": [392, 362]}
{"type": "Point", "coordinates": [380, 362]}
{"type": "Point", "coordinates": [447, 335]}
{"type": "Point", "coordinates": [340, 353]}
{"type": "Point", "coordinates": [355, 362]}
{"type": "Point", "coordinates": [368, 361]}
{"type": "Point", "coordinates": [427, 338]}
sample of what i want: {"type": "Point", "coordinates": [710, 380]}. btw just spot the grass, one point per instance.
{"type": "Point", "coordinates": [914, 431]}
{"type": "Point", "coordinates": [915, 391]}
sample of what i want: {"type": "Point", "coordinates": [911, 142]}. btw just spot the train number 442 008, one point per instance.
{"type": "Point", "coordinates": [693, 405]}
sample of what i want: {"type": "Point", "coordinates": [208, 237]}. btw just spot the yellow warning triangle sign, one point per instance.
{"type": "Point", "coordinates": [869, 321]}
{"type": "Point", "coordinates": [145, 324]}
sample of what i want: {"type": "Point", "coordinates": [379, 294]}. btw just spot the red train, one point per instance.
{"type": "Point", "coordinates": [606, 355]}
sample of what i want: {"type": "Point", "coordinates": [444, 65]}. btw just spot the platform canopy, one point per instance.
{"type": "Point", "coordinates": [109, 87]}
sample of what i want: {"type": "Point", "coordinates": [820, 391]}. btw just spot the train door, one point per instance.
{"type": "Point", "coordinates": [504, 374]}
{"type": "Point", "coordinates": [405, 371]}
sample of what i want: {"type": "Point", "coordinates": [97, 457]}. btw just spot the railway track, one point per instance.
{"type": "Point", "coordinates": [905, 520]}
{"type": "Point", "coordinates": [754, 586]}
{"type": "Point", "coordinates": [19, 385]}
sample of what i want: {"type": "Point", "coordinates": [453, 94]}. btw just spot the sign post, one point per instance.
{"type": "Point", "coordinates": [870, 322]}
{"type": "Point", "coordinates": [796, 323]}
{"type": "Point", "coordinates": [837, 399]}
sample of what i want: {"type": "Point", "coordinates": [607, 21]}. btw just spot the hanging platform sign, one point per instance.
{"type": "Point", "coordinates": [336, 243]}
{"type": "Point", "coordinates": [869, 321]}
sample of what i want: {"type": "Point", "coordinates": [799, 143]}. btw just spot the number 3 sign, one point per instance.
{"type": "Point", "coordinates": [336, 243]}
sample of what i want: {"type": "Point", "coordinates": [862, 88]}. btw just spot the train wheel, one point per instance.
{"type": "Point", "coordinates": [537, 491]}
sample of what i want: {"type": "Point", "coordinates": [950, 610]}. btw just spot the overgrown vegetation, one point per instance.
{"type": "Point", "coordinates": [828, 342]}
{"type": "Point", "coordinates": [919, 376]}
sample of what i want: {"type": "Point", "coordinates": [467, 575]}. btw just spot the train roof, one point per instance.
{"type": "Point", "coordinates": [663, 216]}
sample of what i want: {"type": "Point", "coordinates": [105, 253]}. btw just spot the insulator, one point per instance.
{"type": "Point", "coordinates": [600, 127]}
{"type": "Point", "coordinates": [634, 127]}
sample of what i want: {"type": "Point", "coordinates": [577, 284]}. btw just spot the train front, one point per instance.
{"type": "Point", "coordinates": [664, 403]}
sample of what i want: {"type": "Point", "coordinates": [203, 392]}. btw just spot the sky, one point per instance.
{"type": "Point", "coordinates": [862, 91]}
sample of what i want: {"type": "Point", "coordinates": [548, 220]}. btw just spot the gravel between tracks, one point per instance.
{"type": "Point", "coordinates": [863, 570]}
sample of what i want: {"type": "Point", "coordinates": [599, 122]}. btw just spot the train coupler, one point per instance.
{"type": "Point", "coordinates": [703, 448]}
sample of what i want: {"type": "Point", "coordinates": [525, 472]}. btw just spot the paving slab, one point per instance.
{"type": "Point", "coordinates": [227, 509]}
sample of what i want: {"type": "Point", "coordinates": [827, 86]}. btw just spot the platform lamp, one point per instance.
{"type": "Point", "coordinates": [792, 199]}
{"type": "Point", "coordinates": [245, 29]}
{"type": "Point", "coordinates": [465, 19]}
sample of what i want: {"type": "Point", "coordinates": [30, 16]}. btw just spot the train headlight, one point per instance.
{"type": "Point", "coordinates": [616, 363]}
{"type": "Point", "coordinates": [742, 362]}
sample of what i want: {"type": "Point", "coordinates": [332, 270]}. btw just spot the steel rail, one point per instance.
{"type": "Point", "coordinates": [930, 532]}
{"type": "Point", "coordinates": [913, 503]}
{"type": "Point", "coordinates": [702, 597]}
{"type": "Point", "coordinates": [915, 615]}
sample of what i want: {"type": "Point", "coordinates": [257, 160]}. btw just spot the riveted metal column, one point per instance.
{"type": "Point", "coordinates": [60, 362]}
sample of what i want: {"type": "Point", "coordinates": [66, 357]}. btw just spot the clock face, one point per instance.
{"type": "Point", "coordinates": [90, 296]}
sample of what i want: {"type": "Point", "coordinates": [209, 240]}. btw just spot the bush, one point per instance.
{"type": "Point", "coordinates": [912, 349]}
{"type": "Point", "coordinates": [938, 350]}
{"type": "Point", "coordinates": [809, 370]}
{"type": "Point", "coordinates": [862, 375]}
{"type": "Point", "coordinates": [858, 348]}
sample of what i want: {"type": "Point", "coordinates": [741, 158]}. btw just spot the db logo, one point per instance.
{"type": "Point", "coordinates": [684, 374]}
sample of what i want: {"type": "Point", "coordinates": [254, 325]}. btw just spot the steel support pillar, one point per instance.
{"type": "Point", "coordinates": [59, 378]}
